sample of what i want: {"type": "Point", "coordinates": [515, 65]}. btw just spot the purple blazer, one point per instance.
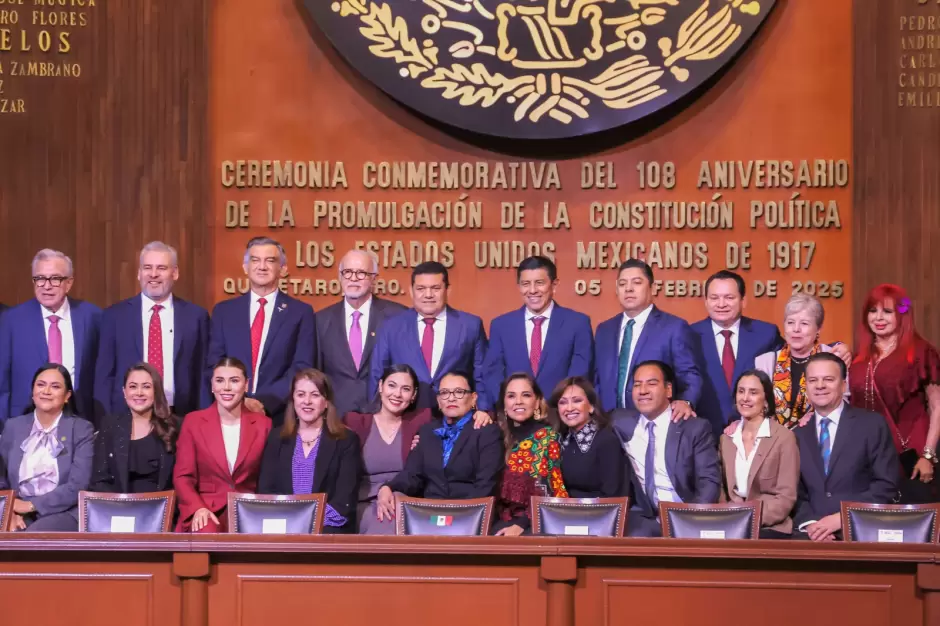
{"type": "Point", "coordinates": [361, 424]}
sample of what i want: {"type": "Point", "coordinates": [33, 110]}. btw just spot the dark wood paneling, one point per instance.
{"type": "Point", "coordinates": [896, 232]}
{"type": "Point", "coordinates": [102, 164]}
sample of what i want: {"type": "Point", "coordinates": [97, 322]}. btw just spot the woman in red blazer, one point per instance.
{"type": "Point", "coordinates": [218, 451]}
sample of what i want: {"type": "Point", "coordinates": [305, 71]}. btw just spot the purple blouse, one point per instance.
{"type": "Point", "coordinates": [302, 468]}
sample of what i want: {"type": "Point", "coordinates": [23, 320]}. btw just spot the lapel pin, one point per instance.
{"type": "Point", "coordinates": [372, 334]}
{"type": "Point", "coordinates": [283, 305]}
{"type": "Point", "coordinates": [63, 438]}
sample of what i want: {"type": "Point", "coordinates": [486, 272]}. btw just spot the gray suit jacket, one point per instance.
{"type": "Point", "coordinates": [691, 460]}
{"type": "Point", "coordinates": [333, 358]}
{"type": "Point", "coordinates": [75, 462]}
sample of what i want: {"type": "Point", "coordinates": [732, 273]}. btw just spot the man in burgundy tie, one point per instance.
{"type": "Point", "coordinates": [432, 338]}
{"type": "Point", "coordinates": [48, 328]}
{"type": "Point", "coordinates": [274, 334]}
{"type": "Point", "coordinates": [542, 338]}
{"type": "Point", "coordinates": [346, 331]}
{"type": "Point", "coordinates": [157, 327]}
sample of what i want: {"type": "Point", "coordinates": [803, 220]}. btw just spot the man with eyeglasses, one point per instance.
{"type": "Point", "coordinates": [155, 327]}
{"type": "Point", "coordinates": [273, 334]}
{"type": "Point", "coordinates": [432, 338]}
{"type": "Point", "coordinates": [49, 328]}
{"type": "Point", "coordinates": [346, 332]}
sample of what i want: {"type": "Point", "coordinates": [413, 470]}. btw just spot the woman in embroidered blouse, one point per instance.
{"type": "Point", "coordinates": [46, 456]}
{"type": "Point", "coordinates": [533, 454]}
{"type": "Point", "coordinates": [593, 463]}
{"type": "Point", "coordinates": [802, 319]}
{"type": "Point", "coordinates": [897, 374]}
{"type": "Point", "coordinates": [314, 452]}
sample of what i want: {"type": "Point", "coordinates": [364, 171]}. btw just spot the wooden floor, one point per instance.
{"type": "Point", "coordinates": [240, 580]}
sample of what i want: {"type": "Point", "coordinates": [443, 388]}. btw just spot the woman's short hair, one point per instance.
{"type": "Point", "coordinates": [70, 407]}
{"type": "Point", "coordinates": [471, 384]}
{"type": "Point", "coordinates": [803, 302]}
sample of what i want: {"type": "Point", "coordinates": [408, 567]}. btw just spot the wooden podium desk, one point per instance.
{"type": "Point", "coordinates": [242, 580]}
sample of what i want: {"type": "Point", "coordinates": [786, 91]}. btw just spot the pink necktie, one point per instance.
{"type": "Point", "coordinates": [355, 339]}
{"type": "Point", "coordinates": [55, 340]}
{"type": "Point", "coordinates": [535, 352]}
{"type": "Point", "coordinates": [427, 342]}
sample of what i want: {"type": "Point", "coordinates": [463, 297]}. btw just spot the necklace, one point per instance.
{"type": "Point", "coordinates": [871, 390]}
{"type": "Point", "coordinates": [310, 442]}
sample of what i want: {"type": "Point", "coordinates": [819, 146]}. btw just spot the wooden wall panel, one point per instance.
{"type": "Point", "coordinates": [100, 164]}
{"type": "Point", "coordinates": [896, 231]}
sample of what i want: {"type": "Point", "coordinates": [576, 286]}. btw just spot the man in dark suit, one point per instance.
{"type": "Point", "coordinates": [49, 328]}
{"type": "Point", "coordinates": [846, 454]}
{"type": "Point", "coordinates": [274, 334]}
{"type": "Point", "coordinates": [671, 461]}
{"type": "Point", "coordinates": [643, 333]}
{"type": "Point", "coordinates": [542, 338]}
{"type": "Point", "coordinates": [158, 328]}
{"type": "Point", "coordinates": [346, 332]}
{"type": "Point", "coordinates": [432, 338]}
{"type": "Point", "coordinates": [728, 343]}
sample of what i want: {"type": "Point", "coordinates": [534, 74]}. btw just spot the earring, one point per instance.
{"type": "Point", "coordinates": [538, 414]}
{"type": "Point", "coordinates": [474, 407]}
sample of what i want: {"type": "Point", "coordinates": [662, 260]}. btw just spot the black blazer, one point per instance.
{"type": "Point", "coordinates": [335, 473]}
{"type": "Point", "coordinates": [333, 358]}
{"type": "Point", "coordinates": [473, 471]}
{"type": "Point", "coordinates": [863, 465]}
{"type": "Point", "coordinates": [112, 444]}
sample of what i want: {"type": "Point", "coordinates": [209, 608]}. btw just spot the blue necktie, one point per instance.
{"type": "Point", "coordinates": [623, 364]}
{"type": "Point", "coordinates": [649, 468]}
{"type": "Point", "coordinates": [825, 443]}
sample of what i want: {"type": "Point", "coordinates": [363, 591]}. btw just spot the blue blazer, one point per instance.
{"type": "Point", "coordinates": [717, 401]}
{"type": "Point", "coordinates": [464, 350]}
{"type": "Point", "coordinates": [289, 347]}
{"type": "Point", "coordinates": [122, 346]}
{"type": "Point", "coordinates": [664, 338]}
{"type": "Point", "coordinates": [23, 350]}
{"type": "Point", "coordinates": [568, 349]}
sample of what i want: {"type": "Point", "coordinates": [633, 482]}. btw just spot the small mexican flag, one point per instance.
{"type": "Point", "coordinates": [442, 520]}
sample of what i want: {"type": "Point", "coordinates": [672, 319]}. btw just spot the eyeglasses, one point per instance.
{"type": "Point", "coordinates": [356, 274]}
{"type": "Point", "coordinates": [55, 281]}
{"type": "Point", "coordinates": [460, 394]}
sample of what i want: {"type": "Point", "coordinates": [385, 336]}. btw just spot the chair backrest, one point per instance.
{"type": "Point", "coordinates": [126, 512]}
{"type": "Point", "coordinates": [6, 509]}
{"type": "Point", "coordinates": [276, 515]}
{"type": "Point", "coordinates": [417, 516]}
{"type": "Point", "coordinates": [890, 523]}
{"type": "Point", "coordinates": [710, 521]}
{"type": "Point", "coordinates": [595, 517]}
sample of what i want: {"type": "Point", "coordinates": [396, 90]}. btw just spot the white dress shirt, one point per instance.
{"type": "Point", "coordinates": [638, 323]}
{"type": "Point", "coordinates": [68, 337]}
{"type": "Point", "coordinates": [530, 326]}
{"type": "Point", "coordinates": [270, 299]}
{"type": "Point", "coordinates": [720, 339]}
{"type": "Point", "coordinates": [365, 310]}
{"type": "Point", "coordinates": [743, 460]}
{"type": "Point", "coordinates": [231, 434]}
{"type": "Point", "coordinates": [440, 327]}
{"type": "Point", "coordinates": [636, 450]}
{"type": "Point", "coordinates": [166, 326]}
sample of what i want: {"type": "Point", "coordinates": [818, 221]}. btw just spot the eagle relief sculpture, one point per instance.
{"type": "Point", "coordinates": [539, 68]}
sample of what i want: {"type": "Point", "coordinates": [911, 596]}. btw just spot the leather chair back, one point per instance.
{"type": "Point", "coordinates": [595, 517]}
{"type": "Point", "coordinates": [6, 509]}
{"type": "Point", "coordinates": [418, 516]}
{"type": "Point", "coordinates": [126, 512]}
{"type": "Point", "coordinates": [890, 523]}
{"type": "Point", "coordinates": [710, 521]}
{"type": "Point", "coordinates": [256, 514]}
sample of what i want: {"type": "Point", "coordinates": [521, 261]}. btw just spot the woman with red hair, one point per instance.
{"type": "Point", "coordinates": [897, 374]}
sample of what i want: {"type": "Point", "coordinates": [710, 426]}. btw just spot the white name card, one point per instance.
{"type": "Point", "coordinates": [886, 535]}
{"type": "Point", "coordinates": [711, 534]}
{"type": "Point", "coordinates": [121, 524]}
{"type": "Point", "coordinates": [274, 526]}
{"type": "Point", "coordinates": [577, 530]}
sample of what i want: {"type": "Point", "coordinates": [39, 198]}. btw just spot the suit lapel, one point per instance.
{"type": "Point", "coordinates": [179, 315]}
{"type": "Point", "coordinates": [554, 331]}
{"type": "Point", "coordinates": [322, 464]}
{"type": "Point", "coordinates": [212, 433]}
{"type": "Point", "coordinates": [38, 330]}
{"type": "Point", "coordinates": [673, 437]}
{"type": "Point", "coordinates": [462, 439]}
{"type": "Point", "coordinates": [763, 451]}
{"type": "Point", "coordinates": [241, 337]}
{"type": "Point", "coordinates": [277, 321]}
{"type": "Point", "coordinates": [378, 310]}
{"type": "Point", "coordinates": [746, 341]}
{"type": "Point", "coordinates": [451, 341]}
{"type": "Point", "coordinates": [413, 341]}
{"type": "Point", "coordinates": [710, 347]}
{"type": "Point", "coordinates": [517, 339]}
{"type": "Point", "coordinates": [137, 323]}
{"type": "Point", "coordinates": [64, 434]}
{"type": "Point", "coordinates": [842, 434]}
{"type": "Point", "coordinates": [246, 439]}
{"type": "Point", "coordinates": [78, 339]}
{"type": "Point", "coordinates": [122, 441]}
{"type": "Point", "coordinates": [649, 328]}
{"type": "Point", "coordinates": [811, 445]}
{"type": "Point", "coordinates": [336, 328]}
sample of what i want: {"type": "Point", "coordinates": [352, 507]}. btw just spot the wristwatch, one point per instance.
{"type": "Point", "coordinates": [930, 455]}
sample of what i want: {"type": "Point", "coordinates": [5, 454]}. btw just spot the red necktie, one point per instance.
{"type": "Point", "coordinates": [535, 351]}
{"type": "Point", "coordinates": [155, 340]}
{"type": "Point", "coordinates": [427, 342]}
{"type": "Point", "coordinates": [257, 329]}
{"type": "Point", "coordinates": [727, 358]}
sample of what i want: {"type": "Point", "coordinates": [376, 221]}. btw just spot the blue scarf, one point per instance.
{"type": "Point", "coordinates": [449, 434]}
